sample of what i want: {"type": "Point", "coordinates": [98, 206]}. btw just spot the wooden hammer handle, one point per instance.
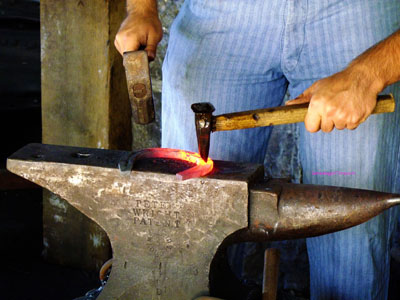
{"type": "Point", "coordinates": [282, 115]}
{"type": "Point", "coordinates": [137, 71]}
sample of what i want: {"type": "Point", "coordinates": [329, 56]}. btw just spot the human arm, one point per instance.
{"type": "Point", "coordinates": [141, 28]}
{"type": "Point", "coordinates": [347, 98]}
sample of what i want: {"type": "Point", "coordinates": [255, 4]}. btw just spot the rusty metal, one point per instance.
{"type": "Point", "coordinates": [302, 210]}
{"type": "Point", "coordinates": [165, 232]}
{"type": "Point", "coordinates": [137, 71]}
{"type": "Point", "coordinates": [279, 210]}
{"type": "Point", "coordinates": [203, 121]}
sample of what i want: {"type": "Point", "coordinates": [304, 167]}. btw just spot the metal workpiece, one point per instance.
{"type": "Point", "coordinates": [200, 168]}
{"type": "Point", "coordinates": [163, 232]}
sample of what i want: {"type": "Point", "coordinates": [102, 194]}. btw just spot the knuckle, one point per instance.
{"type": "Point", "coordinates": [120, 35]}
{"type": "Point", "coordinates": [156, 36]}
{"type": "Point", "coordinates": [341, 115]}
{"type": "Point", "coordinates": [315, 104]}
{"type": "Point", "coordinates": [355, 118]}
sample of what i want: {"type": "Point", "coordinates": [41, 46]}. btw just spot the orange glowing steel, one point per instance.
{"type": "Point", "coordinates": [202, 168]}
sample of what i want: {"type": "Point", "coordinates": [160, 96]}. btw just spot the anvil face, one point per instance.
{"type": "Point", "coordinates": [162, 231]}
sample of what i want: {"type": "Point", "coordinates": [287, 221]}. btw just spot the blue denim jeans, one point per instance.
{"type": "Point", "coordinates": [242, 55]}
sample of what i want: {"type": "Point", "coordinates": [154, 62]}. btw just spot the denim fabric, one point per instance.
{"type": "Point", "coordinates": [242, 55]}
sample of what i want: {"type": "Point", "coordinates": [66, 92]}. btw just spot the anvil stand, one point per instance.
{"type": "Point", "coordinates": [164, 232]}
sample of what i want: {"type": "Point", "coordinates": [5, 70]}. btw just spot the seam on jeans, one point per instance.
{"type": "Point", "coordinates": [303, 23]}
{"type": "Point", "coordinates": [395, 189]}
{"type": "Point", "coordinates": [304, 34]}
{"type": "Point", "coordinates": [283, 36]}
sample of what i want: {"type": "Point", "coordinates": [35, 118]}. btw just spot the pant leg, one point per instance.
{"type": "Point", "coordinates": [354, 263]}
{"type": "Point", "coordinates": [222, 52]}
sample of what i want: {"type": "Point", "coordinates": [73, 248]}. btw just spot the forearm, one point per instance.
{"type": "Point", "coordinates": [381, 63]}
{"type": "Point", "coordinates": [141, 6]}
{"type": "Point", "coordinates": [346, 99]}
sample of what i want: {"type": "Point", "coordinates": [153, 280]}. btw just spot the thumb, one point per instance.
{"type": "Point", "coordinates": [151, 45]}
{"type": "Point", "coordinates": [303, 98]}
{"type": "Point", "coordinates": [151, 51]}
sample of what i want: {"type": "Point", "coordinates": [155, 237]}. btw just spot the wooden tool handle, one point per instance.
{"type": "Point", "coordinates": [137, 71]}
{"type": "Point", "coordinates": [271, 274]}
{"type": "Point", "coordinates": [282, 115]}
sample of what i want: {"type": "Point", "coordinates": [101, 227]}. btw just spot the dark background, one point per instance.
{"type": "Point", "coordinates": [23, 274]}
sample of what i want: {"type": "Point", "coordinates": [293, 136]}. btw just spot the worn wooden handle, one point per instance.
{"type": "Point", "coordinates": [282, 115]}
{"type": "Point", "coordinates": [137, 71]}
{"type": "Point", "coordinates": [271, 274]}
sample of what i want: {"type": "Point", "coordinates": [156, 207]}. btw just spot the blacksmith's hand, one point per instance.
{"type": "Point", "coordinates": [141, 29]}
{"type": "Point", "coordinates": [343, 100]}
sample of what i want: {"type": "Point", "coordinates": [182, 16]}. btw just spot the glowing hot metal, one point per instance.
{"type": "Point", "coordinates": [202, 168]}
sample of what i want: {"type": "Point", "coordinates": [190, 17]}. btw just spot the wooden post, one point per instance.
{"type": "Point", "coordinates": [84, 103]}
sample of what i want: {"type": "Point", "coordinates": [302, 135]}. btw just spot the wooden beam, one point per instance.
{"type": "Point", "coordinates": [84, 103]}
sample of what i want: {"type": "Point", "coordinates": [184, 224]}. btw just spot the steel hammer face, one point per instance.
{"type": "Point", "coordinates": [203, 121]}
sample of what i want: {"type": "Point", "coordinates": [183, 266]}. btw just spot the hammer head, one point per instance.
{"type": "Point", "coordinates": [137, 71]}
{"type": "Point", "coordinates": [203, 121]}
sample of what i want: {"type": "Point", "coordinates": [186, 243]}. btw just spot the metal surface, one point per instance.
{"type": "Point", "coordinates": [203, 120]}
{"type": "Point", "coordinates": [165, 232]}
{"type": "Point", "coordinates": [279, 210]}
{"type": "Point", "coordinates": [137, 71]}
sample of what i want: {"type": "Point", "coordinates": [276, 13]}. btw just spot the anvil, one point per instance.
{"type": "Point", "coordinates": [165, 232]}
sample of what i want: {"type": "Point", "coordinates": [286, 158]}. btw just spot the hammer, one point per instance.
{"type": "Point", "coordinates": [206, 123]}
{"type": "Point", "coordinates": [137, 71]}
